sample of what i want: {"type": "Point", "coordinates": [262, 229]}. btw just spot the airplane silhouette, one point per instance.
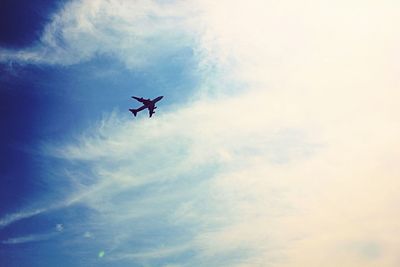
{"type": "Point", "coordinates": [147, 103]}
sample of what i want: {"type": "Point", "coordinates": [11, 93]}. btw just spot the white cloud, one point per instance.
{"type": "Point", "coordinates": [135, 32]}
{"type": "Point", "coordinates": [28, 238]}
{"type": "Point", "coordinates": [305, 156]}
{"type": "Point", "coordinates": [11, 218]}
{"type": "Point", "coordinates": [300, 164]}
{"type": "Point", "coordinates": [157, 253]}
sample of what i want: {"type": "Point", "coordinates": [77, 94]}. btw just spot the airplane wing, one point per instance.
{"type": "Point", "coordinates": [151, 111]}
{"type": "Point", "coordinates": [140, 99]}
{"type": "Point", "coordinates": [157, 99]}
{"type": "Point", "coordinates": [135, 111]}
{"type": "Point", "coordinates": [141, 108]}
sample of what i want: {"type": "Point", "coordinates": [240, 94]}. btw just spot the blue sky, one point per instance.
{"type": "Point", "coordinates": [275, 143]}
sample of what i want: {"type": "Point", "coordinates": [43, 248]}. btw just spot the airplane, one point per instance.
{"type": "Point", "coordinates": [147, 103]}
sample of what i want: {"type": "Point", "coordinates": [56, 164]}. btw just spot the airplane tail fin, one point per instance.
{"type": "Point", "coordinates": [134, 111]}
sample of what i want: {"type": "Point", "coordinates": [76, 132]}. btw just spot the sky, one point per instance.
{"type": "Point", "coordinates": [276, 143]}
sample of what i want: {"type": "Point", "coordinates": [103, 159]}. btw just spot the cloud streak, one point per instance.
{"type": "Point", "coordinates": [28, 239]}
{"type": "Point", "coordinates": [14, 217]}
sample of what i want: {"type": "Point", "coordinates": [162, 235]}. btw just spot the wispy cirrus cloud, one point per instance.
{"type": "Point", "coordinates": [28, 239]}
{"type": "Point", "coordinates": [174, 187]}
{"type": "Point", "coordinates": [137, 33]}
{"type": "Point", "coordinates": [11, 218]}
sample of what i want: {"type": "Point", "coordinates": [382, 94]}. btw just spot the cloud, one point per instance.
{"type": "Point", "coordinates": [137, 33]}
{"type": "Point", "coordinates": [74, 198]}
{"type": "Point", "coordinates": [158, 253]}
{"type": "Point", "coordinates": [172, 177]}
{"type": "Point", "coordinates": [298, 163]}
{"type": "Point", "coordinates": [281, 172]}
{"type": "Point", "coordinates": [11, 218]}
{"type": "Point", "coordinates": [28, 239]}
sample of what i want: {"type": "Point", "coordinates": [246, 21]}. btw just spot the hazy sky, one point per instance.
{"type": "Point", "coordinates": [276, 143]}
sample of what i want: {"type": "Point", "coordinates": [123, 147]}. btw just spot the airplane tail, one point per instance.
{"type": "Point", "coordinates": [134, 111]}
